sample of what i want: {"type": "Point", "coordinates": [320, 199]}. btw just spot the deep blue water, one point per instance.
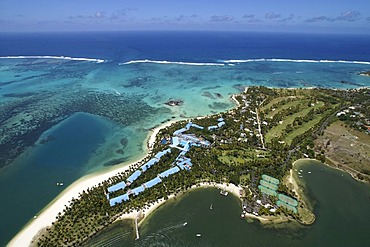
{"type": "Point", "coordinates": [188, 46]}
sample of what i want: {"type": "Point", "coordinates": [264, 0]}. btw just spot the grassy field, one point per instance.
{"type": "Point", "coordinates": [303, 128]}
{"type": "Point", "coordinates": [274, 101]}
{"type": "Point", "coordinates": [278, 130]}
{"type": "Point", "coordinates": [285, 106]}
{"type": "Point", "coordinates": [240, 156]}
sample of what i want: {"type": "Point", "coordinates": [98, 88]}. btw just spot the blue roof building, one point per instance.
{"type": "Point", "coordinates": [185, 164]}
{"type": "Point", "coordinates": [220, 119]}
{"type": "Point", "coordinates": [191, 138]}
{"type": "Point", "coordinates": [188, 125]}
{"type": "Point", "coordinates": [180, 131]}
{"type": "Point", "coordinates": [183, 143]}
{"type": "Point", "coordinates": [148, 164]}
{"type": "Point", "coordinates": [138, 190]}
{"type": "Point", "coordinates": [119, 186]}
{"type": "Point", "coordinates": [118, 199]}
{"type": "Point", "coordinates": [152, 182]}
{"type": "Point", "coordinates": [220, 124]}
{"type": "Point", "coordinates": [160, 154]}
{"type": "Point", "coordinates": [197, 126]}
{"type": "Point", "coordinates": [134, 176]}
{"type": "Point", "coordinates": [212, 127]}
{"type": "Point", "coordinates": [175, 141]}
{"type": "Point", "coordinates": [169, 172]}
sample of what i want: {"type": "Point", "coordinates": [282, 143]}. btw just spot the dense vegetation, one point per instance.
{"type": "Point", "coordinates": [268, 130]}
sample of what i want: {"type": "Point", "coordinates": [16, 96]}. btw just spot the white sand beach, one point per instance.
{"type": "Point", "coordinates": [49, 213]}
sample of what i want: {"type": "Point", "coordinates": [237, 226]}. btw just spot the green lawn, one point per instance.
{"type": "Point", "coordinates": [273, 101]}
{"type": "Point", "coordinates": [285, 106]}
{"type": "Point", "coordinates": [304, 127]}
{"type": "Point", "coordinates": [239, 156]}
{"type": "Point", "coordinates": [277, 130]}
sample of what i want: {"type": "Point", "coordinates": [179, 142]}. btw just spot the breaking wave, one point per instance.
{"type": "Point", "coordinates": [169, 62]}
{"type": "Point", "coordinates": [292, 60]}
{"type": "Point", "coordinates": [56, 57]}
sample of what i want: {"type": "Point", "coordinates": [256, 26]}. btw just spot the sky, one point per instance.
{"type": "Point", "coordinates": [330, 16]}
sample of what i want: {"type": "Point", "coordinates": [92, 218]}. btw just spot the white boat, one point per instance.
{"type": "Point", "coordinates": [185, 224]}
{"type": "Point", "coordinates": [60, 184]}
{"type": "Point", "coordinates": [211, 207]}
{"type": "Point", "coordinates": [198, 235]}
{"type": "Point", "coordinates": [224, 192]}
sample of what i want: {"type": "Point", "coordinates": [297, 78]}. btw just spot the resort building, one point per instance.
{"type": "Point", "coordinates": [180, 141]}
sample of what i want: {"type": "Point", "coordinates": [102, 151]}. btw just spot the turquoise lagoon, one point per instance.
{"type": "Point", "coordinates": [86, 143]}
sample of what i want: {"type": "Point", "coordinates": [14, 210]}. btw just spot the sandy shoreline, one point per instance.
{"type": "Point", "coordinates": [48, 214]}
{"type": "Point", "coordinates": [231, 188]}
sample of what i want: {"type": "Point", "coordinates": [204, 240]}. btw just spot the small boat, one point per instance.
{"type": "Point", "coordinates": [60, 184]}
{"type": "Point", "coordinates": [309, 172]}
{"type": "Point", "coordinates": [211, 207]}
{"type": "Point", "coordinates": [198, 235]}
{"type": "Point", "coordinates": [185, 224]}
{"type": "Point", "coordinates": [224, 192]}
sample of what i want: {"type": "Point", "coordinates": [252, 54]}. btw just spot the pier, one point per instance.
{"type": "Point", "coordinates": [137, 226]}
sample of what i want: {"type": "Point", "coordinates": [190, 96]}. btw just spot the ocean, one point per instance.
{"type": "Point", "coordinates": [77, 103]}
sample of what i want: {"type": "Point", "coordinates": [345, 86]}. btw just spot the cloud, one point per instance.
{"type": "Point", "coordinates": [181, 18]}
{"type": "Point", "coordinates": [221, 18]}
{"type": "Point", "coordinates": [254, 20]}
{"type": "Point", "coordinates": [319, 19]}
{"type": "Point", "coordinates": [272, 15]}
{"type": "Point", "coordinates": [349, 15]}
{"type": "Point", "coordinates": [102, 16]}
{"type": "Point", "coordinates": [248, 16]}
{"type": "Point", "coordinates": [286, 19]}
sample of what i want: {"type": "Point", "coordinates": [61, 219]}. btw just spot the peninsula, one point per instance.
{"type": "Point", "coordinates": [249, 151]}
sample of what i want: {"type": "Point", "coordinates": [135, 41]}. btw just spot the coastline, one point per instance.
{"type": "Point", "coordinates": [32, 229]}
{"type": "Point", "coordinates": [46, 216]}
{"type": "Point", "coordinates": [29, 233]}
{"type": "Point", "coordinates": [231, 188]}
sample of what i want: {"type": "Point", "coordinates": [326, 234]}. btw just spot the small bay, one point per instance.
{"type": "Point", "coordinates": [340, 204]}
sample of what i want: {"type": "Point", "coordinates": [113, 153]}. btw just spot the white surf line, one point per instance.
{"type": "Point", "coordinates": [56, 57]}
{"type": "Point", "coordinates": [118, 93]}
{"type": "Point", "coordinates": [170, 62]}
{"type": "Point", "coordinates": [292, 60]}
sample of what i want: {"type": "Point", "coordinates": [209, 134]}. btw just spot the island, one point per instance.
{"type": "Point", "coordinates": [249, 151]}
